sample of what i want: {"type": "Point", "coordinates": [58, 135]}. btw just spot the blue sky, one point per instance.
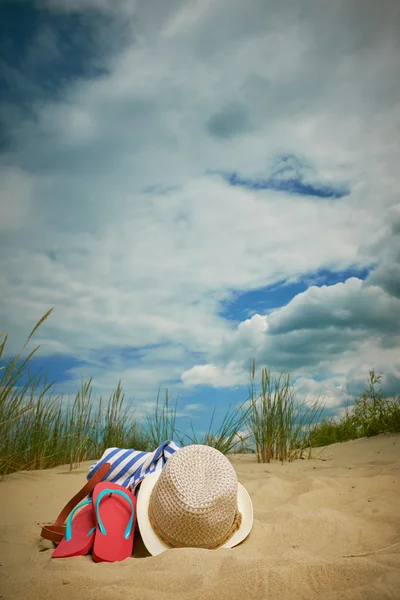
{"type": "Point", "coordinates": [246, 304]}
{"type": "Point", "coordinates": [195, 184]}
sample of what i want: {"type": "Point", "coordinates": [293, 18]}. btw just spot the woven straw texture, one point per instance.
{"type": "Point", "coordinates": [194, 502]}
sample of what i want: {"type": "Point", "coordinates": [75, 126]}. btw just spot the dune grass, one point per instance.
{"type": "Point", "coordinates": [229, 437]}
{"type": "Point", "coordinates": [280, 425]}
{"type": "Point", "coordinates": [160, 425]}
{"type": "Point", "coordinates": [41, 430]}
{"type": "Point", "coordinates": [371, 414]}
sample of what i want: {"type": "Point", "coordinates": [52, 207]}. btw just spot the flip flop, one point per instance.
{"type": "Point", "coordinates": [79, 534]}
{"type": "Point", "coordinates": [115, 511]}
{"type": "Point", "coordinates": [56, 532]}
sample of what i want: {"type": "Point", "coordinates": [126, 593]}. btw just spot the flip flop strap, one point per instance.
{"type": "Point", "coordinates": [68, 531]}
{"type": "Point", "coordinates": [111, 491]}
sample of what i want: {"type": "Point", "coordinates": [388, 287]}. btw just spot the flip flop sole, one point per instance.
{"type": "Point", "coordinates": [115, 512]}
{"type": "Point", "coordinates": [80, 542]}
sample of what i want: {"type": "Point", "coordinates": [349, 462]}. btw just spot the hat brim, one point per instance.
{"type": "Point", "coordinates": [156, 546]}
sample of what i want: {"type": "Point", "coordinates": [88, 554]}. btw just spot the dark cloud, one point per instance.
{"type": "Point", "coordinates": [345, 305]}
{"type": "Point", "coordinates": [231, 121]}
{"type": "Point", "coordinates": [387, 274]}
{"type": "Point", "coordinates": [43, 52]}
{"type": "Point", "coordinates": [388, 278]}
{"type": "Point", "coordinates": [299, 349]}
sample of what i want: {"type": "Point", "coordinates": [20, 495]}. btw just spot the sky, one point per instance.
{"type": "Point", "coordinates": [193, 185]}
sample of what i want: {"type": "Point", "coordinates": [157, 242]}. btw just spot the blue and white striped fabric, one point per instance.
{"type": "Point", "coordinates": [130, 467]}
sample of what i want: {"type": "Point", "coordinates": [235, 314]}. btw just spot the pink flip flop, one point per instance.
{"type": "Point", "coordinates": [79, 534]}
{"type": "Point", "coordinates": [115, 513]}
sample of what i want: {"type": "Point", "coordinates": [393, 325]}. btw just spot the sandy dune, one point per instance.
{"type": "Point", "coordinates": [308, 515]}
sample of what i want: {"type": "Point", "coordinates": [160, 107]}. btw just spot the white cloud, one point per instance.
{"type": "Point", "coordinates": [188, 16]}
{"type": "Point", "coordinates": [169, 290]}
{"type": "Point", "coordinates": [217, 376]}
{"type": "Point", "coordinates": [16, 193]}
{"type": "Point", "coordinates": [343, 330]}
{"type": "Point", "coordinates": [202, 87]}
{"type": "Point", "coordinates": [330, 392]}
{"type": "Point", "coordinates": [193, 407]}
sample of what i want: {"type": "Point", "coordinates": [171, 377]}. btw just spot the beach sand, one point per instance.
{"type": "Point", "coordinates": [307, 516]}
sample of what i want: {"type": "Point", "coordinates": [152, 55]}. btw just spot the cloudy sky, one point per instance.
{"type": "Point", "coordinates": [193, 184]}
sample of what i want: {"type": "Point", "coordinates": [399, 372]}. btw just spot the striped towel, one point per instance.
{"type": "Point", "coordinates": [130, 467]}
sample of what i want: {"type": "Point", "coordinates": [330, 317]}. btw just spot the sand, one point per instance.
{"type": "Point", "coordinates": [308, 515]}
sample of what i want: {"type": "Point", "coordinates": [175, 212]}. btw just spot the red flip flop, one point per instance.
{"type": "Point", "coordinates": [79, 533]}
{"type": "Point", "coordinates": [115, 512]}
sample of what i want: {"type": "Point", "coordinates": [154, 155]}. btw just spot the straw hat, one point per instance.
{"type": "Point", "coordinates": [196, 501]}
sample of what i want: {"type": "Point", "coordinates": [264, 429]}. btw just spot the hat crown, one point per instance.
{"type": "Point", "coordinates": [194, 502]}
